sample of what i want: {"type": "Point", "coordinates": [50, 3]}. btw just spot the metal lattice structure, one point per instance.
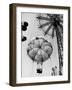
{"type": "Point", "coordinates": [54, 23]}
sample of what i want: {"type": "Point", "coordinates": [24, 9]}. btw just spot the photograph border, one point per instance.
{"type": "Point", "coordinates": [12, 43]}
